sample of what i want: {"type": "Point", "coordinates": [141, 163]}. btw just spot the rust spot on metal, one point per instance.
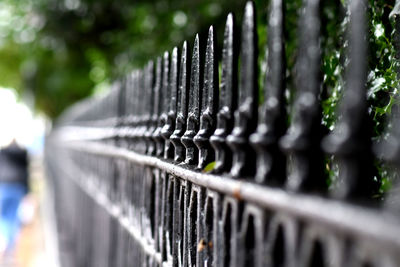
{"type": "Point", "coordinates": [236, 193]}
{"type": "Point", "coordinates": [202, 245]}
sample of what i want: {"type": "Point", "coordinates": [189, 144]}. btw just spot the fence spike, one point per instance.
{"type": "Point", "coordinates": [171, 100]}
{"type": "Point", "coordinates": [140, 84]}
{"type": "Point", "coordinates": [350, 142]}
{"type": "Point", "coordinates": [142, 114]}
{"type": "Point", "coordinates": [246, 114]}
{"type": "Point", "coordinates": [148, 96]}
{"type": "Point", "coordinates": [129, 98]}
{"type": "Point", "coordinates": [209, 104]}
{"type": "Point", "coordinates": [194, 106]}
{"type": "Point", "coordinates": [227, 99]}
{"type": "Point", "coordinates": [302, 140]}
{"type": "Point", "coordinates": [182, 100]}
{"type": "Point", "coordinates": [162, 105]}
{"type": "Point", "coordinates": [139, 89]}
{"type": "Point", "coordinates": [151, 148]}
{"type": "Point", "coordinates": [272, 116]}
{"type": "Point", "coordinates": [133, 124]}
{"type": "Point", "coordinates": [123, 104]}
{"type": "Point", "coordinates": [121, 114]}
{"type": "Point", "coordinates": [136, 100]}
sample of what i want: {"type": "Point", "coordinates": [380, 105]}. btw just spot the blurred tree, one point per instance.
{"type": "Point", "coordinates": [64, 50]}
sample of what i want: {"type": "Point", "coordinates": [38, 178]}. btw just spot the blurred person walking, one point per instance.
{"type": "Point", "coordinates": [14, 187]}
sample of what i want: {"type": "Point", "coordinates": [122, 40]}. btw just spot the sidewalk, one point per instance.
{"type": "Point", "coordinates": [33, 245]}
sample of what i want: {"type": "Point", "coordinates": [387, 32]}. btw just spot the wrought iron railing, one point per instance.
{"type": "Point", "coordinates": [176, 168]}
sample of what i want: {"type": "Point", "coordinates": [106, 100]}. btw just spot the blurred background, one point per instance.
{"type": "Point", "coordinates": [54, 53]}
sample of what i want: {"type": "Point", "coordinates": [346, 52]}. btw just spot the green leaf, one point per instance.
{"type": "Point", "coordinates": [209, 167]}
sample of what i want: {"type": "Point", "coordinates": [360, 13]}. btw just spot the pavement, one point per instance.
{"type": "Point", "coordinates": [36, 244]}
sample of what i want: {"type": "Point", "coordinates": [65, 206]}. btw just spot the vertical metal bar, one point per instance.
{"type": "Point", "coordinates": [302, 140]}
{"type": "Point", "coordinates": [134, 118]}
{"type": "Point", "coordinates": [150, 90]}
{"type": "Point", "coordinates": [158, 180]}
{"type": "Point", "coordinates": [271, 163]}
{"type": "Point", "coordinates": [122, 113]}
{"type": "Point", "coordinates": [205, 245]}
{"type": "Point", "coordinates": [182, 102]}
{"type": "Point", "coordinates": [227, 99]}
{"type": "Point", "coordinates": [209, 104]}
{"type": "Point", "coordinates": [169, 217]}
{"type": "Point", "coordinates": [251, 237]}
{"type": "Point", "coordinates": [141, 126]}
{"type": "Point", "coordinates": [163, 105]}
{"type": "Point", "coordinates": [169, 126]}
{"type": "Point", "coordinates": [246, 114]}
{"type": "Point", "coordinates": [192, 229]}
{"type": "Point", "coordinates": [228, 233]}
{"type": "Point", "coordinates": [350, 142]}
{"type": "Point", "coordinates": [151, 148]}
{"type": "Point", "coordinates": [178, 223]}
{"type": "Point", "coordinates": [194, 107]}
{"type": "Point", "coordinates": [185, 224]}
{"type": "Point", "coordinates": [389, 150]}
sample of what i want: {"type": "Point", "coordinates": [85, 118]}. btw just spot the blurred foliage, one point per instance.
{"type": "Point", "coordinates": [63, 51]}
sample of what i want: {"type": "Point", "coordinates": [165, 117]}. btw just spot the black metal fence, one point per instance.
{"type": "Point", "coordinates": [176, 168]}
